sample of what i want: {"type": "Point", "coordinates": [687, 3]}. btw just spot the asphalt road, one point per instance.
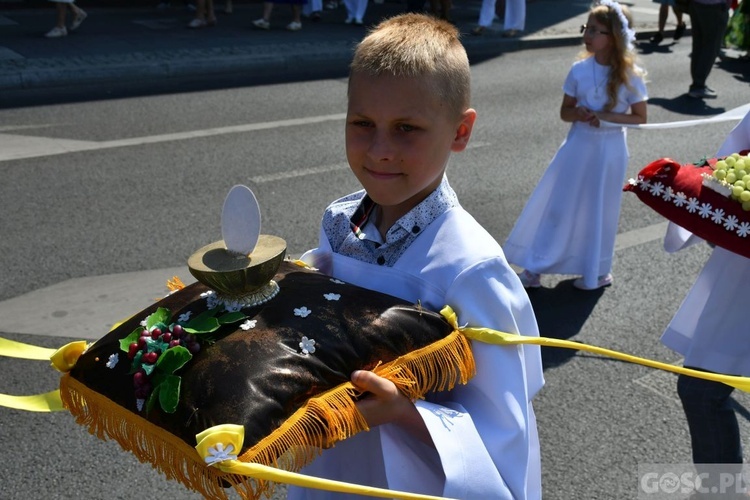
{"type": "Point", "coordinates": [107, 186]}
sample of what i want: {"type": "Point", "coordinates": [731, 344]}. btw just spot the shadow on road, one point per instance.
{"type": "Point", "coordinates": [740, 68]}
{"type": "Point", "coordinates": [561, 313]}
{"type": "Point", "coordinates": [686, 105]}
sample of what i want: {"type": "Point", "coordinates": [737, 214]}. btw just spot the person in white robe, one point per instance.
{"type": "Point", "coordinates": [407, 235]}
{"type": "Point", "coordinates": [711, 332]}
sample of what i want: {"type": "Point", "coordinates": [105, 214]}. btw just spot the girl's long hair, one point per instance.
{"type": "Point", "coordinates": [622, 61]}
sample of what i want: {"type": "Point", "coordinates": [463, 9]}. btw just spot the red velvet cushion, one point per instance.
{"type": "Point", "coordinates": [677, 192]}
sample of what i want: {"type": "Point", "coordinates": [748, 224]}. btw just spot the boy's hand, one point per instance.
{"type": "Point", "coordinates": [383, 403]}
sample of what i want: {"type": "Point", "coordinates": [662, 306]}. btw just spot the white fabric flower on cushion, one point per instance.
{"type": "Point", "coordinates": [112, 361]}
{"type": "Point", "coordinates": [249, 324]}
{"type": "Point", "coordinates": [307, 345]}
{"type": "Point", "coordinates": [302, 312]}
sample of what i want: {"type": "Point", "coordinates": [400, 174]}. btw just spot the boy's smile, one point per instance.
{"type": "Point", "coordinates": [399, 136]}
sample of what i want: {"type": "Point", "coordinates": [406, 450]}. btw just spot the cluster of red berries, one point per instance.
{"type": "Point", "coordinates": [151, 344]}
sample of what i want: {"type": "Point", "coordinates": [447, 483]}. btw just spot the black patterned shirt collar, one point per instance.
{"type": "Point", "coordinates": [361, 239]}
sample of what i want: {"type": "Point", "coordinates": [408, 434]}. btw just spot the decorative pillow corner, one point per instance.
{"type": "Point", "coordinates": [709, 198]}
{"type": "Point", "coordinates": [279, 369]}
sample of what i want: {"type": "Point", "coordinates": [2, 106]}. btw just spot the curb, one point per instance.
{"type": "Point", "coordinates": [21, 74]}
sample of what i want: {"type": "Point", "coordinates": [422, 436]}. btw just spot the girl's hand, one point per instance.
{"type": "Point", "coordinates": [584, 114]}
{"type": "Point", "coordinates": [385, 404]}
{"type": "Point", "coordinates": [595, 120]}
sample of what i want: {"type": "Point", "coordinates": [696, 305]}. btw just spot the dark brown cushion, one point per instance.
{"type": "Point", "coordinates": [259, 377]}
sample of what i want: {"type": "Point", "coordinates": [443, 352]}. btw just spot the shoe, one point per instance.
{"type": "Point", "coordinates": [679, 31]}
{"type": "Point", "coordinates": [479, 30]}
{"type": "Point", "coordinates": [349, 20]}
{"type": "Point", "coordinates": [529, 279]}
{"type": "Point", "coordinates": [704, 93]}
{"type": "Point", "coordinates": [511, 33]}
{"type": "Point", "coordinates": [294, 26]}
{"type": "Point", "coordinates": [657, 39]}
{"type": "Point", "coordinates": [358, 22]}
{"type": "Point", "coordinates": [57, 32]}
{"type": "Point", "coordinates": [262, 24]}
{"type": "Point", "coordinates": [601, 282]}
{"type": "Point", "coordinates": [197, 24]}
{"type": "Point", "coordinates": [315, 17]}
{"type": "Point", "coordinates": [333, 5]}
{"type": "Point", "coordinates": [78, 20]}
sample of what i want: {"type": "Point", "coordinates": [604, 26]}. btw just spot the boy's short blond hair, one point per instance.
{"type": "Point", "coordinates": [417, 45]}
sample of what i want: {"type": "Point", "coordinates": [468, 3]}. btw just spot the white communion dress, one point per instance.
{"type": "Point", "coordinates": [569, 223]}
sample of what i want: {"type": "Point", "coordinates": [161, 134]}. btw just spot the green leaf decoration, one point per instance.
{"type": "Point", "coordinates": [148, 368]}
{"type": "Point", "coordinates": [702, 162]}
{"type": "Point", "coordinates": [205, 322]}
{"type": "Point", "coordinates": [157, 378]}
{"type": "Point", "coordinates": [169, 393]}
{"type": "Point", "coordinates": [132, 338]}
{"type": "Point", "coordinates": [157, 345]}
{"type": "Point", "coordinates": [161, 315]}
{"type": "Point", "coordinates": [173, 359]}
{"type": "Point", "coordinates": [136, 364]}
{"type": "Point", "coordinates": [209, 313]}
{"type": "Point", "coordinates": [153, 398]}
{"type": "Point", "coordinates": [232, 317]}
{"type": "Point", "coordinates": [205, 325]}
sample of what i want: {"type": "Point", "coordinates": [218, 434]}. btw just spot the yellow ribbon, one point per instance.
{"type": "Point", "coordinates": [63, 359]}
{"type": "Point", "coordinates": [218, 446]}
{"type": "Point", "coordinates": [48, 402]}
{"type": "Point", "coordinates": [13, 349]}
{"type": "Point", "coordinates": [489, 336]}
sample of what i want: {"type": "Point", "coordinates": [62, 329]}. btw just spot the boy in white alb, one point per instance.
{"type": "Point", "coordinates": [407, 235]}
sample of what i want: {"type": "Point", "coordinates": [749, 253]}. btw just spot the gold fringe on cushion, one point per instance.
{"type": "Point", "coordinates": [332, 416]}
{"type": "Point", "coordinates": [150, 443]}
{"type": "Point", "coordinates": [320, 423]}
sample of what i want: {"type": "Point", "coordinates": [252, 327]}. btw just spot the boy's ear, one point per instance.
{"type": "Point", "coordinates": [463, 132]}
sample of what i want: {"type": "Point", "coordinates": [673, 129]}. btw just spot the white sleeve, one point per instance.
{"type": "Point", "coordinates": [485, 432]}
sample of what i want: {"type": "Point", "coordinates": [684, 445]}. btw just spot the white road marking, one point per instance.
{"type": "Point", "coordinates": [18, 147]}
{"type": "Point", "coordinates": [640, 236]}
{"type": "Point", "coordinates": [290, 174]}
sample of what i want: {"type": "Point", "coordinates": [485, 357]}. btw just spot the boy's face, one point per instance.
{"type": "Point", "coordinates": [399, 137]}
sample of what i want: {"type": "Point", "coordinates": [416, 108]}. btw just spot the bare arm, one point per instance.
{"type": "Point", "coordinates": [570, 111]}
{"type": "Point", "coordinates": [637, 115]}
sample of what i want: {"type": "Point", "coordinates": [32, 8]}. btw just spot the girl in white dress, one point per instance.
{"type": "Point", "coordinates": [569, 223]}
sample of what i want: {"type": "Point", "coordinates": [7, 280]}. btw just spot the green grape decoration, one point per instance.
{"type": "Point", "coordinates": [733, 174]}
